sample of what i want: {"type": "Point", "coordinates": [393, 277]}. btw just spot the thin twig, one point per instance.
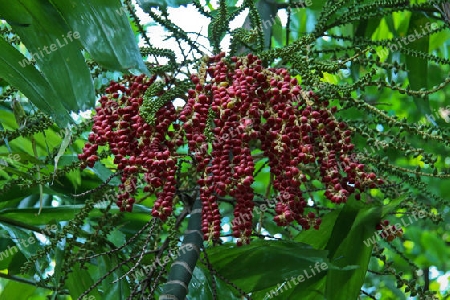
{"type": "Point", "coordinates": [99, 187]}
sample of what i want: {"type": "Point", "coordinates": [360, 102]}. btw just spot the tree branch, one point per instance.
{"type": "Point", "coordinates": [181, 271]}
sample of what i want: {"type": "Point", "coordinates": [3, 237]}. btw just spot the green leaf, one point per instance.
{"type": "Point", "coordinates": [79, 281]}
{"type": "Point", "coordinates": [134, 221]}
{"type": "Point", "coordinates": [343, 225]}
{"type": "Point", "coordinates": [308, 289]}
{"type": "Point", "coordinates": [352, 251]}
{"type": "Point", "coordinates": [278, 32]}
{"type": "Point", "coordinates": [343, 233]}
{"type": "Point", "coordinates": [117, 237]}
{"type": "Point", "coordinates": [16, 14]}
{"type": "Point", "coordinates": [56, 50]}
{"type": "Point", "coordinates": [319, 238]}
{"type": "Point", "coordinates": [31, 83]}
{"type": "Point", "coordinates": [19, 192]}
{"type": "Point", "coordinates": [104, 31]}
{"type": "Point", "coordinates": [17, 290]}
{"type": "Point", "coordinates": [418, 67]}
{"type": "Point", "coordinates": [119, 290]}
{"type": "Point", "coordinates": [47, 215]}
{"type": "Point", "coordinates": [22, 238]}
{"type": "Point", "coordinates": [393, 205]}
{"type": "Point", "coordinates": [201, 286]}
{"type": "Point", "coordinates": [438, 254]}
{"type": "Point", "coordinates": [10, 171]}
{"type": "Point", "coordinates": [17, 261]}
{"type": "Point", "coordinates": [242, 265]}
{"type": "Point", "coordinates": [6, 255]}
{"type": "Point", "coordinates": [23, 157]}
{"type": "Point", "coordinates": [104, 173]}
{"type": "Point", "coordinates": [268, 11]}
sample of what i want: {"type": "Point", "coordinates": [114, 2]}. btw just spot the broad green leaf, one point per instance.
{"type": "Point", "coordinates": [390, 24]}
{"type": "Point", "coordinates": [343, 232]}
{"type": "Point", "coordinates": [116, 237]}
{"type": "Point", "coordinates": [56, 49]}
{"type": "Point", "coordinates": [11, 170]}
{"type": "Point", "coordinates": [27, 243]}
{"type": "Point", "coordinates": [17, 290]}
{"type": "Point", "coordinates": [418, 67]}
{"type": "Point", "coordinates": [79, 281]}
{"type": "Point", "coordinates": [438, 254]}
{"type": "Point", "coordinates": [201, 286]}
{"type": "Point", "coordinates": [242, 265]}
{"type": "Point", "coordinates": [6, 115]}
{"type": "Point", "coordinates": [16, 264]}
{"type": "Point", "coordinates": [393, 205]}
{"type": "Point", "coordinates": [267, 11]}
{"type": "Point", "coordinates": [7, 253]}
{"type": "Point", "coordinates": [75, 178]}
{"type": "Point", "coordinates": [48, 214]}
{"type": "Point", "coordinates": [20, 192]}
{"type": "Point", "coordinates": [16, 14]}
{"type": "Point", "coordinates": [343, 225]}
{"type": "Point", "coordinates": [365, 28]}
{"type": "Point", "coordinates": [21, 157]}
{"type": "Point", "coordinates": [319, 238]}
{"type": "Point", "coordinates": [352, 251]}
{"type": "Point", "coordinates": [104, 31]}
{"type": "Point", "coordinates": [138, 217]}
{"type": "Point", "coordinates": [308, 289]}
{"type": "Point", "coordinates": [104, 173]}
{"type": "Point", "coordinates": [31, 83]}
{"type": "Point", "coordinates": [278, 33]}
{"type": "Point", "coordinates": [119, 290]}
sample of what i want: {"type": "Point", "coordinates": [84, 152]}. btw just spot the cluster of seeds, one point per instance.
{"type": "Point", "coordinates": [138, 147]}
{"type": "Point", "coordinates": [235, 105]}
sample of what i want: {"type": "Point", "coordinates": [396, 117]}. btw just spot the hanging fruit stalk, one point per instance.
{"type": "Point", "coordinates": [234, 102]}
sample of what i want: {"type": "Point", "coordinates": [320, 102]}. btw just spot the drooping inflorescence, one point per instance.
{"type": "Point", "coordinates": [235, 104]}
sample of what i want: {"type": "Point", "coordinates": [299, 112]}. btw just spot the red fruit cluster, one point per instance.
{"type": "Point", "coordinates": [138, 147]}
{"type": "Point", "coordinates": [235, 103]}
{"type": "Point", "coordinates": [294, 128]}
{"type": "Point", "coordinates": [388, 233]}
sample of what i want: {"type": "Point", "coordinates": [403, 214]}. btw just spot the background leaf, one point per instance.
{"type": "Point", "coordinates": [56, 50]}
{"type": "Point", "coordinates": [104, 32]}
{"type": "Point", "coordinates": [31, 83]}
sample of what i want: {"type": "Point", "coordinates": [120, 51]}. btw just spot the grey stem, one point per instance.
{"type": "Point", "coordinates": [181, 271]}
